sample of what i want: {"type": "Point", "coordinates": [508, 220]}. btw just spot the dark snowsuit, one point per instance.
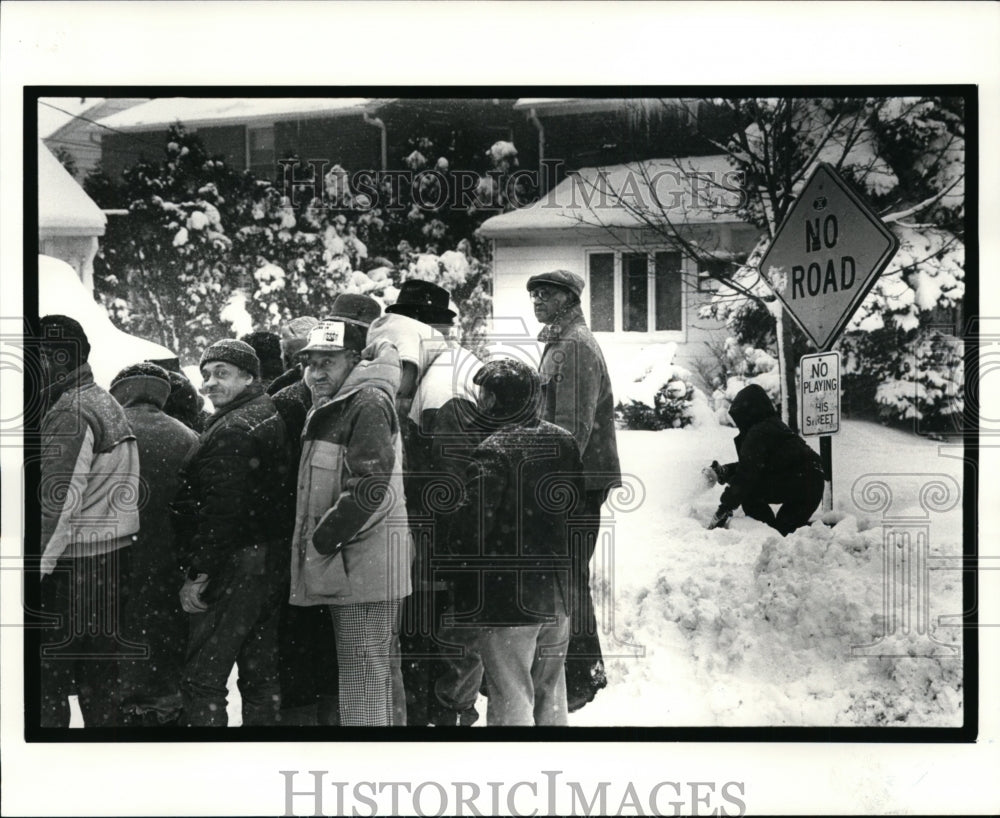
{"type": "Point", "coordinates": [775, 466]}
{"type": "Point", "coordinates": [233, 482]}
{"type": "Point", "coordinates": [153, 616]}
{"type": "Point", "coordinates": [307, 661]}
{"type": "Point", "coordinates": [576, 395]}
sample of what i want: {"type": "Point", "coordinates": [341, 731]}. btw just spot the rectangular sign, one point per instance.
{"type": "Point", "coordinates": [819, 393]}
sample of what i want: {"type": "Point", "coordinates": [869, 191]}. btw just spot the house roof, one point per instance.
{"type": "Point", "coordinates": [689, 190]}
{"type": "Point", "coordinates": [55, 113]}
{"type": "Point", "coordinates": [64, 209]}
{"type": "Point", "coordinates": [160, 113]}
{"type": "Point", "coordinates": [568, 105]}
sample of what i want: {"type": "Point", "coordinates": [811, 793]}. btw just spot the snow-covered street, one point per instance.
{"type": "Point", "coordinates": [740, 627]}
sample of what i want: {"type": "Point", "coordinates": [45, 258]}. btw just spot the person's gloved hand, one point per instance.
{"type": "Point", "coordinates": [191, 592]}
{"type": "Point", "coordinates": [722, 473]}
{"type": "Point", "coordinates": [709, 475]}
{"type": "Point", "coordinates": [721, 518]}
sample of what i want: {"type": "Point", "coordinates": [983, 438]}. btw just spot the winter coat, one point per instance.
{"type": "Point", "coordinates": [576, 395]}
{"type": "Point", "coordinates": [350, 494]}
{"type": "Point", "coordinates": [232, 482]}
{"type": "Point", "coordinates": [770, 453]}
{"type": "Point", "coordinates": [293, 401]}
{"type": "Point", "coordinates": [153, 613]}
{"type": "Point", "coordinates": [509, 541]}
{"type": "Point", "coordinates": [89, 472]}
{"type": "Point", "coordinates": [443, 427]}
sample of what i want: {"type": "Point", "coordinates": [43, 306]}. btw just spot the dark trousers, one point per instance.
{"type": "Point", "coordinates": [799, 496]}
{"type": "Point", "coordinates": [584, 661]}
{"type": "Point", "coordinates": [307, 665]}
{"type": "Point", "coordinates": [83, 649]}
{"type": "Point", "coordinates": [241, 628]}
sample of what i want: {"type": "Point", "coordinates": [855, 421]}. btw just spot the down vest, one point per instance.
{"type": "Point", "coordinates": [352, 538]}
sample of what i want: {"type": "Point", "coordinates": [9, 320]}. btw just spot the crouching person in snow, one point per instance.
{"type": "Point", "coordinates": [775, 466]}
{"type": "Point", "coordinates": [89, 496]}
{"type": "Point", "coordinates": [510, 541]}
{"type": "Point", "coordinates": [351, 549]}
{"type": "Point", "coordinates": [231, 543]}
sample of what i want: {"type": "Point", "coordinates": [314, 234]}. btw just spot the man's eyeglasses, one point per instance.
{"type": "Point", "coordinates": [542, 293]}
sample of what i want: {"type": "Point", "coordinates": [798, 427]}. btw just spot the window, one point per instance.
{"type": "Point", "coordinates": [635, 292]}
{"type": "Point", "coordinates": [710, 273]}
{"type": "Point", "coordinates": [260, 152]}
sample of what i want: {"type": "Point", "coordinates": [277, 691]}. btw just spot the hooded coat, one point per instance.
{"type": "Point", "coordinates": [153, 616]}
{"type": "Point", "coordinates": [232, 482]}
{"type": "Point", "coordinates": [576, 395]}
{"type": "Point", "coordinates": [770, 453]}
{"type": "Point", "coordinates": [350, 490]}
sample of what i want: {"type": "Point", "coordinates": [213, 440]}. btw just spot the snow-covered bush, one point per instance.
{"type": "Point", "coordinates": [660, 394]}
{"type": "Point", "coordinates": [743, 365]}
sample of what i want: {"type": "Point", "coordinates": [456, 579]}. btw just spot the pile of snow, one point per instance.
{"type": "Point", "coordinates": [742, 627]}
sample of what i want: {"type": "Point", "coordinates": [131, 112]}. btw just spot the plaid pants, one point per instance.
{"type": "Point", "coordinates": [371, 679]}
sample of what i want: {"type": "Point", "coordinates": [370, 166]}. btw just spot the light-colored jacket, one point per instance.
{"type": "Point", "coordinates": [90, 490]}
{"type": "Point", "coordinates": [350, 484]}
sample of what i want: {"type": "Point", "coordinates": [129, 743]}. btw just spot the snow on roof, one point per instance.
{"type": "Point", "coordinates": [191, 111]}
{"type": "Point", "coordinates": [566, 105]}
{"type": "Point", "coordinates": [64, 209]}
{"type": "Point", "coordinates": [690, 190]}
{"type": "Point", "coordinates": [55, 112]}
{"type": "Point", "coordinates": [60, 292]}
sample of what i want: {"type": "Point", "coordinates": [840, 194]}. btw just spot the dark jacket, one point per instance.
{"type": "Point", "coordinates": [352, 539]}
{"type": "Point", "coordinates": [89, 472]}
{"type": "Point", "coordinates": [292, 400]}
{"type": "Point", "coordinates": [153, 615]}
{"type": "Point", "coordinates": [232, 482]}
{"type": "Point", "coordinates": [769, 452]}
{"type": "Point", "coordinates": [513, 528]}
{"type": "Point", "coordinates": [576, 395]}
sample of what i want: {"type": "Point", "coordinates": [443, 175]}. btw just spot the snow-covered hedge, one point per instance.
{"type": "Point", "coordinates": [659, 394]}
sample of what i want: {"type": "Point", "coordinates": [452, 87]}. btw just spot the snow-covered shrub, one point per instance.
{"type": "Point", "coordinates": [742, 365]}
{"type": "Point", "coordinates": [660, 394]}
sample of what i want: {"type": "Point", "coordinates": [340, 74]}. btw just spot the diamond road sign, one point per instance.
{"type": "Point", "coordinates": [826, 256]}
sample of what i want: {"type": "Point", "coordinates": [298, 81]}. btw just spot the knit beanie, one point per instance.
{"type": "Point", "coordinates": [234, 352]}
{"type": "Point", "coordinates": [62, 334]}
{"type": "Point", "coordinates": [148, 378]}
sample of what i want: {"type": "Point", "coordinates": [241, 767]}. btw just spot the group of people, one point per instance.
{"type": "Point", "coordinates": [376, 536]}
{"type": "Point", "coordinates": [374, 526]}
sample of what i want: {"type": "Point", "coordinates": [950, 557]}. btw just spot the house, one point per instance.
{"type": "Point", "coordinates": [69, 222]}
{"type": "Point", "coordinates": [629, 230]}
{"type": "Point", "coordinates": [256, 133]}
{"type": "Point", "coordinates": [69, 125]}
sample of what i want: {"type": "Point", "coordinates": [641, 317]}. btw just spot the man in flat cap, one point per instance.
{"type": "Point", "coordinates": [576, 395]}
{"type": "Point", "coordinates": [231, 543]}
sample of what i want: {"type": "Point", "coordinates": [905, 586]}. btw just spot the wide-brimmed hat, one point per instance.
{"type": "Point", "coordinates": [352, 308]}
{"type": "Point", "coordinates": [424, 301]}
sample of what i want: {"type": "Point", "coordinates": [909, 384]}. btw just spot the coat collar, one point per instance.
{"type": "Point", "coordinates": [79, 378]}
{"type": "Point", "coordinates": [571, 316]}
{"type": "Point", "coordinates": [253, 391]}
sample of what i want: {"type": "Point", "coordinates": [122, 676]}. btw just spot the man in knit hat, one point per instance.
{"type": "Point", "coordinates": [231, 542]}
{"type": "Point", "coordinates": [153, 616]}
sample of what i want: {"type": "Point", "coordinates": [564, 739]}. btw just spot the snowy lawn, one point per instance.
{"type": "Point", "coordinates": [740, 627]}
